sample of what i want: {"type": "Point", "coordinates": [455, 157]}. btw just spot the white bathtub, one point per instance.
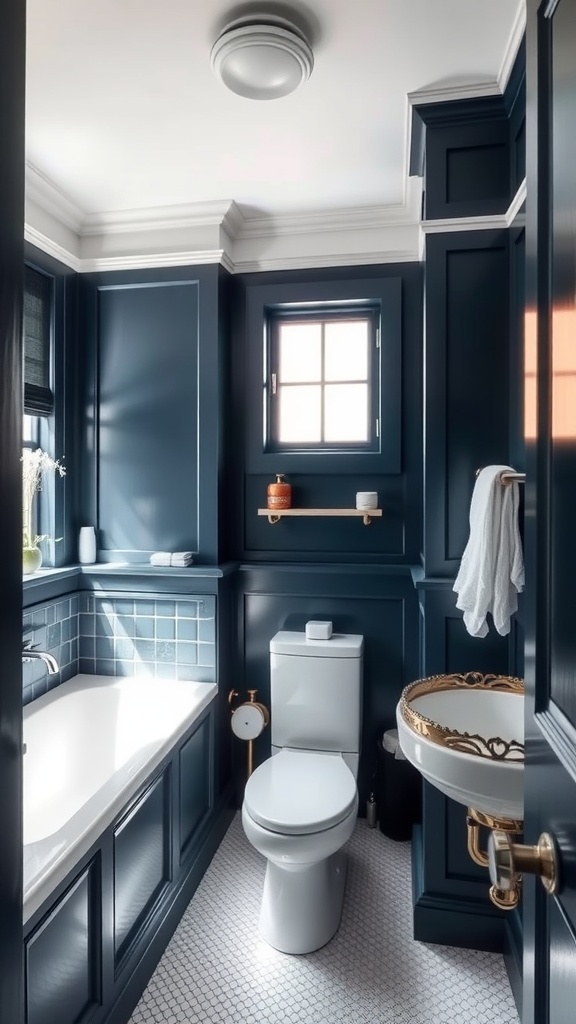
{"type": "Point", "coordinates": [90, 743]}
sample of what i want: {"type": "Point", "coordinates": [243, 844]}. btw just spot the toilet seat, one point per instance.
{"type": "Point", "coordinates": [299, 792]}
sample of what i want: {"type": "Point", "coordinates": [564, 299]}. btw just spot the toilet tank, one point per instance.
{"type": "Point", "coordinates": [316, 692]}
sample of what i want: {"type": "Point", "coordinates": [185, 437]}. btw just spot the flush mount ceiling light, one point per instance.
{"type": "Point", "coordinates": [262, 57]}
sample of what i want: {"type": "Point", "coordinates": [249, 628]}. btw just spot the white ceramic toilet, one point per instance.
{"type": "Point", "coordinates": [300, 805]}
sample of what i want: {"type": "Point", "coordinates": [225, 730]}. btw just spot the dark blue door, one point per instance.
{"type": "Point", "coordinates": [550, 427]}
{"type": "Point", "coordinates": [12, 89]}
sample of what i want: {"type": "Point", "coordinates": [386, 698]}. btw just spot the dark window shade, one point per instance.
{"type": "Point", "coordinates": [38, 397]}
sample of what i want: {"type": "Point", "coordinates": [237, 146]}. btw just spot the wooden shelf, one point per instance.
{"type": "Point", "coordinates": [274, 516]}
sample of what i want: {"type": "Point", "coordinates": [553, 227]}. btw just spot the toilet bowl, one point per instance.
{"type": "Point", "coordinates": [299, 810]}
{"type": "Point", "coordinates": [300, 805]}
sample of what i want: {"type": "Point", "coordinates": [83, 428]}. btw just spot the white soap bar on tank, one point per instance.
{"type": "Point", "coordinates": [316, 630]}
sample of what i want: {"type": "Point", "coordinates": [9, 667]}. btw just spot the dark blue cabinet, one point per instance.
{"type": "Point", "coordinates": [90, 950]}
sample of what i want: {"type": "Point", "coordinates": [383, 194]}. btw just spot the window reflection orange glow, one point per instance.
{"type": "Point", "coordinates": [563, 374]}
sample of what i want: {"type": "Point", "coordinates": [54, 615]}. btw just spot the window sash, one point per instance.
{"type": "Point", "coordinates": [274, 385]}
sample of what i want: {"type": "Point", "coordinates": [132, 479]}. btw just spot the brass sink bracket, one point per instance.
{"type": "Point", "coordinates": [504, 899]}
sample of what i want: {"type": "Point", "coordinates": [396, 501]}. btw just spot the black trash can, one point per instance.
{"type": "Point", "coordinates": [398, 789]}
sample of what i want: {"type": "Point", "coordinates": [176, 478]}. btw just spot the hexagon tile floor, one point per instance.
{"type": "Point", "coordinates": [217, 969]}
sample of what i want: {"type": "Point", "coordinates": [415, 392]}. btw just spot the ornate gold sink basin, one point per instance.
{"type": "Point", "coordinates": [465, 735]}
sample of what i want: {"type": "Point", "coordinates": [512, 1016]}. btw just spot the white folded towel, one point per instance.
{"type": "Point", "coordinates": [182, 558]}
{"type": "Point", "coordinates": [177, 558]}
{"type": "Point", "coordinates": [160, 558]}
{"type": "Point", "coordinates": [492, 568]}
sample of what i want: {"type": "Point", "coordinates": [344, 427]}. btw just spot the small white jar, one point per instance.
{"type": "Point", "coordinates": [87, 545]}
{"type": "Point", "coordinates": [366, 499]}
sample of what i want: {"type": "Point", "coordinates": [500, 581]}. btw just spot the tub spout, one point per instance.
{"type": "Point", "coordinates": [48, 659]}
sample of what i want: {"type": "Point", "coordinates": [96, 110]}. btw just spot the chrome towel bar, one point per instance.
{"type": "Point", "coordinates": [510, 477]}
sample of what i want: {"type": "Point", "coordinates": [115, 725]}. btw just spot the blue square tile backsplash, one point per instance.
{"type": "Point", "coordinates": [169, 639]}
{"type": "Point", "coordinates": [51, 627]}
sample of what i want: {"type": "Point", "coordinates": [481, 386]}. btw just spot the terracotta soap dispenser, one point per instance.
{"type": "Point", "coordinates": [279, 494]}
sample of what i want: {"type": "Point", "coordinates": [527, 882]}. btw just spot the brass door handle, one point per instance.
{"type": "Point", "coordinates": [507, 860]}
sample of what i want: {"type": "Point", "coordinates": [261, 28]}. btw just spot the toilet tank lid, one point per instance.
{"type": "Point", "coordinates": [340, 645]}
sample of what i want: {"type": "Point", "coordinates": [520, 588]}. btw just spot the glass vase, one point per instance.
{"type": "Point", "coordinates": [31, 559]}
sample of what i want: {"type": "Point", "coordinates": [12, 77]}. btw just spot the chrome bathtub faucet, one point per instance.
{"type": "Point", "coordinates": [28, 654]}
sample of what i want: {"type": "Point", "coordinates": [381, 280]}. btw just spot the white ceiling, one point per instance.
{"type": "Point", "coordinates": [138, 156]}
{"type": "Point", "coordinates": [124, 112]}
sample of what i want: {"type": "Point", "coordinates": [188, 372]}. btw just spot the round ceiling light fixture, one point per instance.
{"type": "Point", "coordinates": [262, 57]}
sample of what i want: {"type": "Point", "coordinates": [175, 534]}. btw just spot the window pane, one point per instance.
{"type": "Point", "coordinates": [299, 415]}
{"type": "Point", "coordinates": [346, 412]}
{"type": "Point", "coordinates": [30, 430]}
{"type": "Point", "coordinates": [300, 352]}
{"type": "Point", "coordinates": [346, 350]}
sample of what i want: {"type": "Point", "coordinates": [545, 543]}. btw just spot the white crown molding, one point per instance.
{"type": "Point", "coordinates": [516, 203]}
{"type": "Point", "coordinates": [321, 262]}
{"type": "Point", "coordinates": [493, 222]}
{"type": "Point", "coordinates": [41, 190]}
{"type": "Point", "coordinates": [514, 40]}
{"type": "Point", "coordinates": [148, 261]}
{"type": "Point", "coordinates": [160, 218]}
{"type": "Point", "coordinates": [51, 248]}
{"type": "Point", "coordinates": [228, 216]}
{"type": "Point", "coordinates": [233, 220]}
{"type": "Point", "coordinates": [366, 222]}
{"type": "Point", "coordinates": [455, 91]}
{"type": "Point", "coordinates": [164, 237]}
{"type": "Point", "coordinates": [334, 221]}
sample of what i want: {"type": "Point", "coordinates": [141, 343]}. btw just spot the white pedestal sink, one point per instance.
{"type": "Point", "coordinates": [465, 735]}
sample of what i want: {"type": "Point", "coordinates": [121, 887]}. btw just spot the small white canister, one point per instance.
{"type": "Point", "coordinates": [366, 499]}
{"type": "Point", "coordinates": [87, 545]}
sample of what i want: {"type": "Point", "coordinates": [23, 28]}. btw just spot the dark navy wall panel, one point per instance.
{"type": "Point", "coordinates": [472, 152]}
{"type": "Point", "coordinates": [147, 426]}
{"type": "Point", "coordinates": [467, 382]}
{"type": "Point", "coordinates": [517, 295]}
{"type": "Point", "coordinates": [467, 159]}
{"type": "Point", "coordinates": [332, 479]}
{"type": "Point", "coordinates": [154, 366]}
{"type": "Point", "coordinates": [379, 604]}
{"type": "Point", "coordinates": [448, 647]}
{"type": "Point", "coordinates": [488, 161]}
{"type": "Point", "coordinates": [474, 161]}
{"type": "Point", "coordinates": [515, 97]}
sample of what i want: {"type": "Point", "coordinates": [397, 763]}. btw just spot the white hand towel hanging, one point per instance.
{"type": "Point", "coordinates": [492, 568]}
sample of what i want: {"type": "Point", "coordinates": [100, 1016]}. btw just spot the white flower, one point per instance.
{"type": "Point", "coordinates": [34, 464]}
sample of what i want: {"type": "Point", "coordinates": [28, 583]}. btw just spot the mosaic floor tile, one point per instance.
{"type": "Point", "coordinates": [217, 969]}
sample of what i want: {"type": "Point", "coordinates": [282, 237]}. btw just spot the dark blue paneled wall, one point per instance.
{"type": "Point", "coordinates": [155, 378]}
{"type": "Point", "coordinates": [331, 479]}
{"type": "Point", "coordinates": [473, 160]}
{"type": "Point", "coordinates": [147, 426]}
